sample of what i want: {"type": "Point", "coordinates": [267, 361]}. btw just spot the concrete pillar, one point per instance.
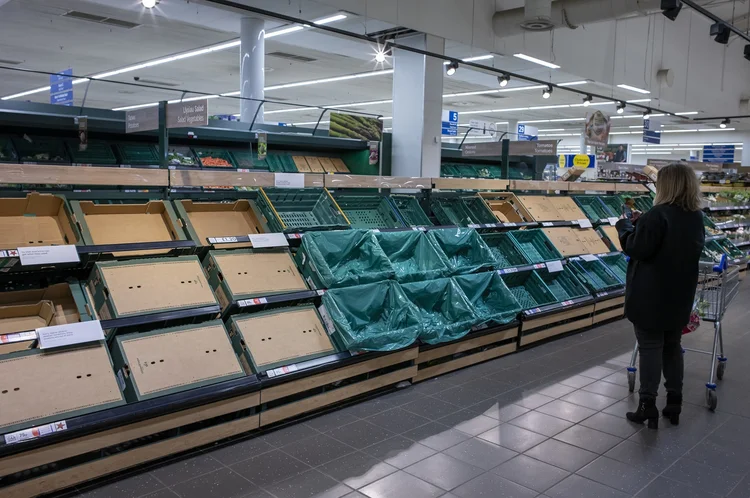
{"type": "Point", "coordinates": [745, 150]}
{"type": "Point", "coordinates": [583, 149]}
{"type": "Point", "coordinates": [512, 129]}
{"type": "Point", "coordinates": [417, 107]}
{"type": "Point", "coordinates": [252, 59]}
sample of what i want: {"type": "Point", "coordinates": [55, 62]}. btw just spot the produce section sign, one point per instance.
{"type": "Point", "coordinates": [357, 127]}
{"type": "Point", "coordinates": [187, 114]}
{"type": "Point", "coordinates": [596, 129]}
{"type": "Point", "coordinates": [142, 120]}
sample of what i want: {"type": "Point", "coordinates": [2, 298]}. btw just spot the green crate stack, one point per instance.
{"type": "Point", "coordinates": [293, 210]}
{"type": "Point", "coordinates": [412, 255]}
{"type": "Point", "coordinates": [564, 285]}
{"type": "Point", "coordinates": [617, 265]}
{"type": "Point", "coordinates": [450, 170]}
{"type": "Point", "coordinates": [529, 289]}
{"type": "Point", "coordinates": [7, 152]}
{"type": "Point", "coordinates": [461, 211]}
{"type": "Point", "coordinates": [595, 275]}
{"type": "Point", "coordinates": [488, 171]}
{"type": "Point", "coordinates": [535, 246]}
{"type": "Point", "coordinates": [613, 203]}
{"type": "Point", "coordinates": [506, 253]}
{"type": "Point", "coordinates": [246, 159]}
{"type": "Point", "coordinates": [369, 211]}
{"type": "Point", "coordinates": [137, 154]}
{"type": "Point", "coordinates": [489, 295]}
{"type": "Point", "coordinates": [644, 202]}
{"type": "Point", "coordinates": [97, 152]}
{"type": "Point", "coordinates": [594, 208]}
{"type": "Point", "coordinates": [215, 153]}
{"type": "Point", "coordinates": [41, 150]}
{"type": "Point", "coordinates": [410, 211]}
{"type": "Point", "coordinates": [281, 163]}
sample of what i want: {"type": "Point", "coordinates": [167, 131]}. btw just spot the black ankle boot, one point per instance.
{"type": "Point", "coordinates": [647, 411]}
{"type": "Point", "coordinates": [673, 409]}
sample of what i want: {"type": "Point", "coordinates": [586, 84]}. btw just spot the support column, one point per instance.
{"type": "Point", "coordinates": [745, 151]}
{"type": "Point", "coordinates": [252, 59]}
{"type": "Point", "coordinates": [512, 130]}
{"type": "Point", "coordinates": [417, 107]}
{"type": "Point", "coordinates": [583, 149]}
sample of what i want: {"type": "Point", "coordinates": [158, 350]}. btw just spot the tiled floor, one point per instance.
{"type": "Point", "coordinates": [547, 422]}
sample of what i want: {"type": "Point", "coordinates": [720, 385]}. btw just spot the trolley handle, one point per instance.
{"type": "Point", "coordinates": [722, 264]}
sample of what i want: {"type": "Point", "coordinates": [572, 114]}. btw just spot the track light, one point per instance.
{"type": "Point", "coordinates": [503, 80]}
{"type": "Point", "coordinates": [725, 123]}
{"type": "Point", "coordinates": [671, 8]}
{"type": "Point", "coordinates": [587, 100]}
{"type": "Point", "coordinates": [149, 4]}
{"type": "Point", "coordinates": [547, 92]}
{"type": "Point", "coordinates": [647, 114]}
{"type": "Point", "coordinates": [621, 108]}
{"type": "Point", "coordinates": [720, 32]}
{"type": "Point", "coordinates": [380, 57]}
{"type": "Point", "coordinates": [451, 68]}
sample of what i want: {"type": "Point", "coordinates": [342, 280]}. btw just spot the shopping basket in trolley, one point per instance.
{"type": "Point", "coordinates": [717, 287]}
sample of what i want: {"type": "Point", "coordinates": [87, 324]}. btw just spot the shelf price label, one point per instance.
{"type": "Point", "coordinates": [554, 266]}
{"type": "Point", "coordinates": [612, 221]}
{"type": "Point", "coordinates": [70, 333]}
{"type": "Point", "coordinates": [262, 240]}
{"type": "Point", "coordinates": [588, 257]}
{"type": "Point", "coordinates": [585, 223]}
{"type": "Point", "coordinates": [35, 432]}
{"type": "Point", "coordinates": [289, 180]}
{"type": "Point", "coordinates": [48, 255]}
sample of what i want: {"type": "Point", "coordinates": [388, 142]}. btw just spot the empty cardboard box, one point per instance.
{"type": "Point", "coordinates": [507, 207]}
{"type": "Point", "coordinates": [272, 339]}
{"type": "Point", "coordinates": [245, 274]}
{"type": "Point", "coordinates": [541, 208]}
{"type": "Point", "coordinates": [68, 300]}
{"type": "Point", "coordinates": [152, 364]}
{"type": "Point", "coordinates": [22, 318]}
{"type": "Point", "coordinates": [610, 233]}
{"type": "Point", "coordinates": [138, 287]}
{"type": "Point", "coordinates": [40, 388]}
{"type": "Point", "coordinates": [566, 241]}
{"type": "Point", "coordinates": [592, 241]}
{"type": "Point", "coordinates": [204, 220]}
{"type": "Point", "coordinates": [153, 221]}
{"type": "Point", "coordinates": [36, 220]}
{"type": "Point", "coordinates": [566, 207]}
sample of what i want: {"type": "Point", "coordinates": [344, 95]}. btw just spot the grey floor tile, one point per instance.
{"type": "Point", "coordinates": [742, 490]}
{"type": "Point", "coordinates": [532, 400]}
{"type": "Point", "coordinates": [401, 485]}
{"type": "Point", "coordinates": [360, 434]}
{"type": "Point", "coordinates": [498, 410]}
{"type": "Point", "coordinates": [398, 420]}
{"type": "Point", "coordinates": [164, 493]}
{"type": "Point", "coordinates": [620, 408]}
{"type": "Point", "coordinates": [444, 471]}
{"type": "Point", "coordinates": [577, 381]}
{"type": "Point", "coordinates": [667, 488]}
{"type": "Point", "coordinates": [698, 475]}
{"type": "Point", "coordinates": [728, 458]}
{"type": "Point", "coordinates": [512, 437]}
{"type": "Point", "coordinates": [357, 470]}
{"type": "Point", "coordinates": [562, 455]}
{"type": "Point", "coordinates": [462, 396]}
{"type": "Point", "coordinates": [399, 451]}
{"type": "Point", "coordinates": [611, 424]}
{"type": "Point", "coordinates": [310, 484]}
{"type": "Point", "coordinates": [332, 420]}
{"type": "Point", "coordinates": [242, 450]}
{"type": "Point", "coordinates": [617, 475]}
{"type": "Point", "coordinates": [130, 487]}
{"type": "Point", "coordinates": [531, 473]}
{"type": "Point", "coordinates": [386, 402]}
{"type": "Point", "coordinates": [620, 378]}
{"type": "Point", "coordinates": [580, 487]}
{"type": "Point", "coordinates": [643, 457]}
{"type": "Point", "coordinates": [437, 436]}
{"type": "Point", "coordinates": [541, 423]}
{"type": "Point", "coordinates": [492, 485]}
{"type": "Point", "coordinates": [431, 408]}
{"type": "Point", "coordinates": [589, 400]}
{"type": "Point", "coordinates": [269, 468]}
{"type": "Point", "coordinates": [607, 389]}
{"type": "Point", "coordinates": [186, 469]}
{"type": "Point", "coordinates": [598, 372]}
{"type": "Point", "coordinates": [589, 439]}
{"type": "Point", "coordinates": [469, 422]}
{"type": "Point", "coordinates": [223, 482]}
{"type": "Point", "coordinates": [288, 434]}
{"type": "Point", "coordinates": [480, 453]}
{"type": "Point", "coordinates": [488, 387]}
{"type": "Point", "coordinates": [433, 386]}
{"type": "Point", "coordinates": [556, 390]}
{"type": "Point", "coordinates": [566, 411]}
{"type": "Point", "coordinates": [317, 450]}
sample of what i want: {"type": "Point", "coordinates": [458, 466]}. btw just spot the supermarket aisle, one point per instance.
{"type": "Point", "coordinates": [546, 422]}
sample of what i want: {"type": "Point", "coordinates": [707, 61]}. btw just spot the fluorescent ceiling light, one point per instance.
{"type": "Point", "coordinates": [329, 80]}
{"type": "Point", "coordinates": [540, 107]}
{"type": "Point", "coordinates": [566, 119]}
{"type": "Point", "coordinates": [298, 109]}
{"type": "Point", "coordinates": [573, 83]}
{"type": "Point", "coordinates": [633, 89]}
{"type": "Point", "coordinates": [310, 123]}
{"type": "Point", "coordinates": [693, 130]}
{"type": "Point", "coordinates": [285, 31]}
{"type": "Point", "coordinates": [328, 20]}
{"type": "Point", "coordinates": [688, 113]}
{"type": "Point", "coordinates": [139, 106]}
{"type": "Point", "coordinates": [537, 61]}
{"type": "Point", "coordinates": [553, 129]}
{"type": "Point", "coordinates": [717, 129]}
{"type": "Point", "coordinates": [473, 59]}
{"type": "Point", "coordinates": [638, 101]}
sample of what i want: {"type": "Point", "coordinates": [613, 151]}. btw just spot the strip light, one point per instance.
{"type": "Point", "coordinates": [634, 89]}
{"type": "Point", "coordinates": [473, 59]}
{"type": "Point", "coordinates": [536, 61]}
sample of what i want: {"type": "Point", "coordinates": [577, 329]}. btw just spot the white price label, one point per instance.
{"type": "Point", "coordinates": [17, 337]}
{"type": "Point", "coordinates": [554, 266]}
{"type": "Point", "coordinates": [282, 370]}
{"type": "Point", "coordinates": [585, 223]}
{"type": "Point", "coordinates": [289, 180]}
{"type": "Point", "coordinates": [474, 225]}
{"type": "Point", "coordinates": [222, 240]}
{"type": "Point", "coordinates": [327, 321]}
{"type": "Point", "coordinates": [588, 257]}
{"type": "Point", "coordinates": [510, 224]}
{"type": "Point", "coordinates": [547, 224]}
{"type": "Point", "coordinates": [256, 301]}
{"type": "Point", "coordinates": [47, 255]}
{"type": "Point", "coordinates": [35, 432]}
{"type": "Point", "coordinates": [509, 270]}
{"type": "Point", "coordinates": [70, 333]}
{"type": "Point", "coordinates": [268, 240]}
{"type": "Point", "coordinates": [612, 221]}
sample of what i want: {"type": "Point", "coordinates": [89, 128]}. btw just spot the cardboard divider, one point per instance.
{"type": "Point", "coordinates": [538, 185]}
{"type": "Point", "coordinates": [469, 184]}
{"type": "Point", "coordinates": [220, 219]}
{"type": "Point", "coordinates": [36, 220]}
{"type": "Point", "coordinates": [507, 207]}
{"type": "Point", "coordinates": [541, 208]}
{"type": "Point", "coordinates": [566, 240]}
{"type": "Point", "coordinates": [613, 239]}
{"type": "Point", "coordinates": [23, 318]}
{"type": "Point", "coordinates": [566, 207]}
{"type": "Point", "coordinates": [592, 241]}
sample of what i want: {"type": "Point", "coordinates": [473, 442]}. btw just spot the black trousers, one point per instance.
{"type": "Point", "coordinates": [660, 351]}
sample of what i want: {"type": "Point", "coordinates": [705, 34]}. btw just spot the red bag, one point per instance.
{"type": "Point", "coordinates": [693, 324]}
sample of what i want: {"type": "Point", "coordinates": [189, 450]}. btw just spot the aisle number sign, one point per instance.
{"type": "Point", "coordinates": [651, 131]}
{"type": "Point", "coordinates": [61, 88]}
{"type": "Point", "coordinates": [450, 123]}
{"type": "Point", "coordinates": [578, 161]}
{"type": "Point", "coordinates": [527, 133]}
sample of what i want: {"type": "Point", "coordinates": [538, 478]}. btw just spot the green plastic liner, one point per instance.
{"type": "Point", "coordinates": [410, 211]}
{"type": "Point", "coordinates": [137, 154]}
{"type": "Point", "coordinates": [7, 152]}
{"type": "Point", "coordinates": [444, 309]}
{"type": "Point", "coordinates": [40, 149]}
{"type": "Point", "coordinates": [463, 249]}
{"type": "Point", "coordinates": [595, 275]}
{"type": "Point", "coordinates": [564, 285]}
{"type": "Point", "coordinates": [535, 246]}
{"type": "Point", "coordinates": [617, 264]}
{"type": "Point", "coordinates": [529, 290]}
{"type": "Point", "coordinates": [343, 258]}
{"type": "Point", "coordinates": [368, 211]}
{"type": "Point", "coordinates": [491, 298]}
{"type": "Point", "coordinates": [504, 251]}
{"type": "Point", "coordinates": [97, 152]}
{"type": "Point", "coordinates": [412, 255]}
{"type": "Point", "coordinates": [373, 317]}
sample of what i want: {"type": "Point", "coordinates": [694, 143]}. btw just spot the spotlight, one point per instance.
{"type": "Point", "coordinates": [725, 123]}
{"type": "Point", "coordinates": [621, 108]}
{"type": "Point", "coordinates": [450, 69]}
{"type": "Point", "coordinates": [380, 56]}
{"type": "Point", "coordinates": [587, 100]}
{"type": "Point", "coordinates": [671, 8]}
{"type": "Point", "coordinates": [503, 80]}
{"type": "Point", "coordinates": [720, 32]}
{"type": "Point", "coordinates": [647, 114]}
{"type": "Point", "coordinates": [547, 92]}
{"type": "Point", "coordinates": [149, 4]}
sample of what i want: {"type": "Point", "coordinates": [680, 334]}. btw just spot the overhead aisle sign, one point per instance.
{"type": "Point", "coordinates": [651, 131]}
{"type": "Point", "coordinates": [718, 153]}
{"type": "Point", "coordinates": [482, 128]}
{"type": "Point", "coordinates": [61, 88]}
{"type": "Point", "coordinates": [527, 133]}
{"type": "Point", "coordinates": [450, 123]}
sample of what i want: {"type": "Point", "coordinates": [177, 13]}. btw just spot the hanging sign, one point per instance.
{"type": "Point", "coordinates": [533, 148]}
{"type": "Point", "coordinates": [579, 161]}
{"type": "Point", "coordinates": [187, 114]}
{"type": "Point", "coordinates": [718, 153]}
{"type": "Point", "coordinates": [482, 128]}
{"type": "Point", "coordinates": [357, 127]}
{"type": "Point", "coordinates": [146, 119]}
{"type": "Point", "coordinates": [450, 123]}
{"type": "Point", "coordinates": [83, 132]}
{"type": "Point", "coordinates": [596, 129]}
{"type": "Point", "coordinates": [651, 131]}
{"type": "Point", "coordinates": [527, 133]}
{"type": "Point", "coordinates": [61, 88]}
{"type": "Point", "coordinates": [262, 145]}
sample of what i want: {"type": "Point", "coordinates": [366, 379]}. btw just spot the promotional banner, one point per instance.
{"type": "Point", "coordinates": [596, 129]}
{"type": "Point", "coordinates": [612, 153]}
{"type": "Point", "coordinates": [578, 161]}
{"type": "Point", "coordinates": [358, 127]}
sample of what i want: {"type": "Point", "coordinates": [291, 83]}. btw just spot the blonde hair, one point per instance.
{"type": "Point", "coordinates": [677, 184]}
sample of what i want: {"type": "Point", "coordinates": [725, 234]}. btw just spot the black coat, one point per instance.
{"type": "Point", "coordinates": [664, 246]}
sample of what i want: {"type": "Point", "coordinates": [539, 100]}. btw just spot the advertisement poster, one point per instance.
{"type": "Point", "coordinates": [262, 145]}
{"type": "Point", "coordinates": [83, 133]}
{"type": "Point", "coordinates": [612, 153]}
{"type": "Point", "coordinates": [596, 130]}
{"type": "Point", "coordinates": [374, 153]}
{"type": "Point", "coordinates": [357, 127]}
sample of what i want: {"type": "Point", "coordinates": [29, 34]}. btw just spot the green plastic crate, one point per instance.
{"type": "Point", "coordinates": [491, 298]}
{"type": "Point", "coordinates": [643, 202]}
{"type": "Point", "coordinates": [281, 163]}
{"type": "Point", "coordinates": [246, 159]}
{"type": "Point", "coordinates": [729, 248]}
{"type": "Point", "coordinates": [613, 203]}
{"type": "Point", "coordinates": [369, 211]}
{"type": "Point", "coordinates": [204, 153]}
{"type": "Point", "coordinates": [181, 156]}
{"type": "Point", "coordinates": [450, 170]}
{"type": "Point", "coordinates": [97, 152]}
{"type": "Point", "coordinates": [593, 207]}
{"type": "Point", "coordinates": [503, 249]}
{"type": "Point", "coordinates": [41, 150]}
{"type": "Point", "coordinates": [535, 246]}
{"type": "Point", "coordinates": [444, 310]}
{"type": "Point", "coordinates": [529, 289]}
{"type": "Point", "coordinates": [410, 211]}
{"type": "Point", "coordinates": [617, 264]}
{"type": "Point", "coordinates": [461, 211]}
{"type": "Point", "coordinates": [137, 154]}
{"type": "Point", "coordinates": [300, 209]}
{"type": "Point", "coordinates": [7, 152]}
{"type": "Point", "coordinates": [412, 255]}
{"type": "Point", "coordinates": [564, 285]}
{"type": "Point", "coordinates": [594, 274]}
{"type": "Point", "coordinates": [463, 249]}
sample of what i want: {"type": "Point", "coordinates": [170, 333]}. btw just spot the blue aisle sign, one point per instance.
{"type": "Point", "coordinates": [718, 153]}
{"type": "Point", "coordinates": [527, 133]}
{"type": "Point", "coordinates": [61, 88]}
{"type": "Point", "coordinates": [450, 123]}
{"type": "Point", "coordinates": [651, 131]}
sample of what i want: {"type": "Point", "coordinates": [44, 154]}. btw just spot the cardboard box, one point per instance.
{"type": "Point", "coordinates": [610, 234]}
{"type": "Point", "coordinates": [592, 241]}
{"type": "Point", "coordinates": [272, 339]}
{"type": "Point", "coordinates": [572, 174]}
{"type": "Point", "coordinates": [566, 241]}
{"type": "Point", "coordinates": [39, 388]}
{"type": "Point", "coordinates": [138, 287]}
{"type": "Point", "coordinates": [566, 207]}
{"type": "Point", "coordinates": [244, 274]}
{"type": "Point", "coordinates": [301, 164]}
{"type": "Point", "coordinates": [153, 364]}
{"type": "Point", "coordinates": [153, 221]}
{"type": "Point", "coordinates": [220, 219]}
{"type": "Point", "coordinates": [68, 300]}
{"type": "Point", "coordinates": [339, 164]}
{"type": "Point", "coordinates": [507, 207]}
{"type": "Point", "coordinates": [23, 318]}
{"type": "Point", "coordinates": [541, 208]}
{"type": "Point", "coordinates": [36, 220]}
{"type": "Point", "coordinates": [651, 172]}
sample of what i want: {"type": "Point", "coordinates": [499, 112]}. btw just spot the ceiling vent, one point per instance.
{"type": "Point", "coordinates": [392, 33]}
{"type": "Point", "coordinates": [290, 57]}
{"type": "Point", "coordinates": [537, 15]}
{"type": "Point", "coordinates": [8, 62]}
{"type": "Point", "coordinates": [111, 21]}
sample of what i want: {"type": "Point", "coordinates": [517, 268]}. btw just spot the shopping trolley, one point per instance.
{"type": "Point", "coordinates": [717, 287]}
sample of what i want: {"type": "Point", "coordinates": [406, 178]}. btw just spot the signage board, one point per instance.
{"type": "Point", "coordinates": [187, 114]}
{"type": "Point", "coordinates": [145, 119]}
{"type": "Point", "coordinates": [651, 131]}
{"type": "Point", "coordinates": [718, 153]}
{"type": "Point", "coordinates": [355, 127]}
{"type": "Point", "coordinates": [579, 161]}
{"type": "Point", "coordinates": [450, 123]}
{"type": "Point", "coordinates": [527, 133]}
{"type": "Point", "coordinates": [61, 87]}
{"type": "Point", "coordinates": [596, 129]}
{"type": "Point", "coordinates": [482, 128]}
{"type": "Point", "coordinates": [533, 148]}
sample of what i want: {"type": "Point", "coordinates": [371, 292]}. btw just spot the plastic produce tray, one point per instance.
{"type": "Point", "coordinates": [535, 246]}
{"type": "Point", "coordinates": [41, 150]}
{"type": "Point", "coordinates": [564, 285]}
{"type": "Point", "coordinates": [280, 163]}
{"type": "Point", "coordinates": [489, 295]}
{"type": "Point", "coordinates": [595, 275]}
{"type": "Point", "coordinates": [593, 207]}
{"type": "Point", "coordinates": [246, 159]}
{"type": "Point", "coordinates": [529, 290]}
{"type": "Point", "coordinates": [617, 264]}
{"type": "Point", "coordinates": [461, 211]}
{"type": "Point", "coordinates": [463, 249]}
{"type": "Point", "coordinates": [503, 249]}
{"type": "Point", "coordinates": [304, 209]}
{"type": "Point", "coordinates": [214, 158]}
{"type": "Point", "coordinates": [7, 152]}
{"type": "Point", "coordinates": [410, 211]}
{"type": "Point", "coordinates": [613, 203]}
{"type": "Point", "coordinates": [137, 154]}
{"type": "Point", "coordinates": [181, 156]}
{"type": "Point", "coordinates": [644, 202]}
{"type": "Point", "coordinates": [368, 211]}
{"type": "Point", "coordinates": [97, 152]}
{"type": "Point", "coordinates": [450, 170]}
{"type": "Point", "coordinates": [729, 248]}
{"type": "Point", "coordinates": [413, 256]}
{"type": "Point", "coordinates": [445, 311]}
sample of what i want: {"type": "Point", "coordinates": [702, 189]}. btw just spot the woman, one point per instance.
{"type": "Point", "coordinates": [664, 246]}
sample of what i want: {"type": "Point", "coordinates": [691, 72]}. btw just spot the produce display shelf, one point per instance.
{"type": "Point", "coordinates": [410, 211]}
{"type": "Point", "coordinates": [529, 290]}
{"type": "Point", "coordinates": [564, 285]}
{"type": "Point", "coordinates": [461, 211]}
{"type": "Point", "coordinates": [245, 159]}
{"type": "Point", "coordinates": [7, 152]}
{"type": "Point", "coordinates": [728, 208]}
{"type": "Point", "coordinates": [214, 158]}
{"type": "Point", "coordinates": [617, 265]}
{"type": "Point", "coordinates": [292, 210]}
{"type": "Point", "coordinates": [181, 157]}
{"type": "Point", "coordinates": [42, 150]}
{"type": "Point", "coordinates": [535, 246]}
{"type": "Point", "coordinates": [137, 154]}
{"type": "Point", "coordinates": [732, 225]}
{"type": "Point", "coordinates": [97, 152]}
{"type": "Point", "coordinates": [548, 321]}
{"type": "Point", "coordinates": [742, 244]}
{"type": "Point", "coordinates": [506, 253]}
{"type": "Point", "coordinates": [368, 211]}
{"type": "Point", "coordinates": [595, 274]}
{"type": "Point", "coordinates": [593, 207]}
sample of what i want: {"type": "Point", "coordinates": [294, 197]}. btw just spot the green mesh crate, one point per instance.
{"type": "Point", "coordinates": [410, 211]}
{"type": "Point", "coordinates": [294, 210]}
{"type": "Point", "coordinates": [97, 152]}
{"type": "Point", "coordinates": [535, 246]}
{"type": "Point", "coordinates": [617, 264]}
{"type": "Point", "coordinates": [529, 290]}
{"type": "Point", "coordinates": [729, 248]}
{"type": "Point", "coordinates": [181, 156]}
{"type": "Point", "coordinates": [214, 158]}
{"type": "Point", "coordinates": [40, 149]}
{"type": "Point", "coordinates": [643, 202]}
{"type": "Point", "coordinates": [504, 250]}
{"type": "Point", "coordinates": [593, 207]}
{"type": "Point", "coordinates": [137, 154]}
{"type": "Point", "coordinates": [613, 203]}
{"type": "Point", "coordinates": [246, 159]}
{"type": "Point", "coordinates": [450, 170]}
{"type": "Point", "coordinates": [368, 211]}
{"type": "Point", "coordinates": [7, 152]}
{"type": "Point", "coordinates": [281, 163]}
{"type": "Point", "coordinates": [564, 285]}
{"type": "Point", "coordinates": [594, 274]}
{"type": "Point", "coordinates": [461, 211]}
{"type": "Point", "coordinates": [489, 295]}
